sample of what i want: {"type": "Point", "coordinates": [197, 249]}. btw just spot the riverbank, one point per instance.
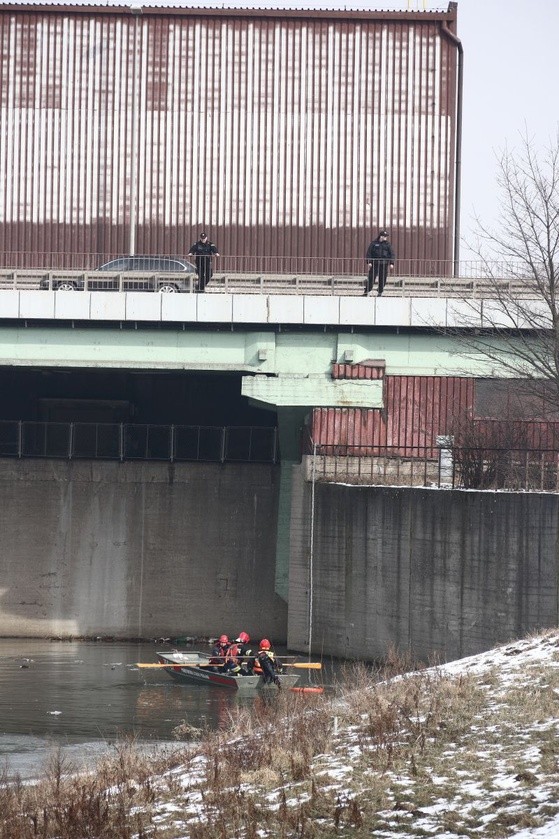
{"type": "Point", "coordinates": [468, 749]}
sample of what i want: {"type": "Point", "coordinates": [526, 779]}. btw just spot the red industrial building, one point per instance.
{"type": "Point", "coordinates": [290, 134]}
{"type": "Point", "coordinates": [483, 421]}
{"type": "Point", "coordinates": [418, 409]}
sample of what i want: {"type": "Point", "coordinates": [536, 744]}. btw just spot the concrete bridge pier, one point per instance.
{"type": "Point", "coordinates": [293, 398]}
{"type": "Point", "coordinates": [290, 425]}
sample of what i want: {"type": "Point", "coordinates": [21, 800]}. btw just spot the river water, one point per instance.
{"type": "Point", "coordinates": [82, 696]}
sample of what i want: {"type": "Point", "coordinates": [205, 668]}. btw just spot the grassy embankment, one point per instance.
{"type": "Point", "coordinates": [465, 753]}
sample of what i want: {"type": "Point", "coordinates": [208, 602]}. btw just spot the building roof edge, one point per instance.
{"type": "Point", "coordinates": [313, 10]}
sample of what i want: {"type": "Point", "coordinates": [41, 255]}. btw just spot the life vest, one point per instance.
{"type": "Point", "coordinates": [232, 653]}
{"type": "Point", "coordinates": [260, 655]}
{"type": "Point", "coordinates": [219, 653]}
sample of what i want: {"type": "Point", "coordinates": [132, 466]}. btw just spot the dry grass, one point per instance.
{"type": "Point", "coordinates": [114, 801]}
{"type": "Point", "coordinates": [390, 755]}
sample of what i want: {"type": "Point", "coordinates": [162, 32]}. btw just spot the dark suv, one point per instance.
{"type": "Point", "coordinates": [148, 266]}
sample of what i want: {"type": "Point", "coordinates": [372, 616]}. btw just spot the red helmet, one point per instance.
{"type": "Point", "coordinates": [244, 637]}
{"type": "Point", "coordinates": [223, 639]}
{"type": "Point", "coordinates": [265, 644]}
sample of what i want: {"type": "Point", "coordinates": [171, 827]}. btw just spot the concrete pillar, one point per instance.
{"type": "Point", "coordinates": [446, 460]}
{"type": "Point", "coordinates": [290, 424]}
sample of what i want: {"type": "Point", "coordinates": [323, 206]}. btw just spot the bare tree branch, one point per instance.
{"type": "Point", "coordinates": [519, 334]}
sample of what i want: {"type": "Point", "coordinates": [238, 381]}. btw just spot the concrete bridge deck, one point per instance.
{"type": "Point", "coordinates": [237, 310]}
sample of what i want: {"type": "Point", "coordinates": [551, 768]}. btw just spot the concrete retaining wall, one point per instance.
{"type": "Point", "coordinates": [449, 572]}
{"type": "Point", "coordinates": [150, 550]}
{"type": "Point", "coordinates": [138, 550]}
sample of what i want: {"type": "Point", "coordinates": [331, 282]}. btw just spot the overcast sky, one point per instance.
{"type": "Point", "coordinates": [511, 64]}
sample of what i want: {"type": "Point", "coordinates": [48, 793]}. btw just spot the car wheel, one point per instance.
{"type": "Point", "coordinates": [66, 285]}
{"type": "Point", "coordinates": [167, 288]}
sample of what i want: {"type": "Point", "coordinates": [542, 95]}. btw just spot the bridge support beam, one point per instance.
{"type": "Point", "coordinates": [294, 397]}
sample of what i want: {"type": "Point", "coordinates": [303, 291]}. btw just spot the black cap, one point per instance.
{"type": "Point", "coordinates": [383, 233]}
{"type": "Point", "coordinates": [203, 235]}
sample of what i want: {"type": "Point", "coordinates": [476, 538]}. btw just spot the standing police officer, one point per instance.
{"type": "Point", "coordinates": [380, 257]}
{"type": "Point", "coordinates": [203, 250]}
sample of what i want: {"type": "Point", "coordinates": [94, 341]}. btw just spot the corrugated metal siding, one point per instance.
{"type": "Point", "coordinates": [515, 434]}
{"type": "Point", "coordinates": [283, 136]}
{"type": "Point", "coordinates": [368, 370]}
{"type": "Point", "coordinates": [417, 410]}
{"type": "Point", "coordinates": [342, 431]}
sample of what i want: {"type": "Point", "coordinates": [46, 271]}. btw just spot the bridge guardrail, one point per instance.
{"type": "Point", "coordinates": [254, 283]}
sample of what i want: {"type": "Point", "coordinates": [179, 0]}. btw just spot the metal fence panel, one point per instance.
{"type": "Point", "coordinates": [128, 441]}
{"type": "Point", "coordinates": [46, 439]}
{"type": "Point", "coordinates": [10, 439]}
{"type": "Point", "coordinates": [96, 441]}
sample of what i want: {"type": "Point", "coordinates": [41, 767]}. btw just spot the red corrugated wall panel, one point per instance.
{"type": "Point", "coordinates": [286, 134]}
{"type": "Point", "coordinates": [416, 410]}
{"type": "Point", "coordinates": [367, 370]}
{"type": "Point", "coordinates": [515, 434]}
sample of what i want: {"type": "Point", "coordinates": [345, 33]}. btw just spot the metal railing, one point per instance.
{"type": "Point", "coordinates": [309, 264]}
{"type": "Point", "coordinates": [454, 467]}
{"type": "Point", "coordinates": [316, 284]}
{"type": "Point", "coordinates": [281, 274]}
{"type": "Point", "coordinates": [535, 470]}
{"type": "Point", "coordinates": [127, 441]}
{"type": "Point", "coordinates": [357, 266]}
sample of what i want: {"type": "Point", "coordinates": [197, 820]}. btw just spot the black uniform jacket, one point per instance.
{"type": "Point", "coordinates": [203, 249]}
{"type": "Point", "coordinates": [380, 250]}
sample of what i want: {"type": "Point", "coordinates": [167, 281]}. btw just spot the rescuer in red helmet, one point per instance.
{"type": "Point", "coordinates": [225, 656]}
{"type": "Point", "coordinates": [245, 654]}
{"type": "Point", "coordinates": [266, 663]}
{"type": "Point", "coordinates": [219, 652]}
